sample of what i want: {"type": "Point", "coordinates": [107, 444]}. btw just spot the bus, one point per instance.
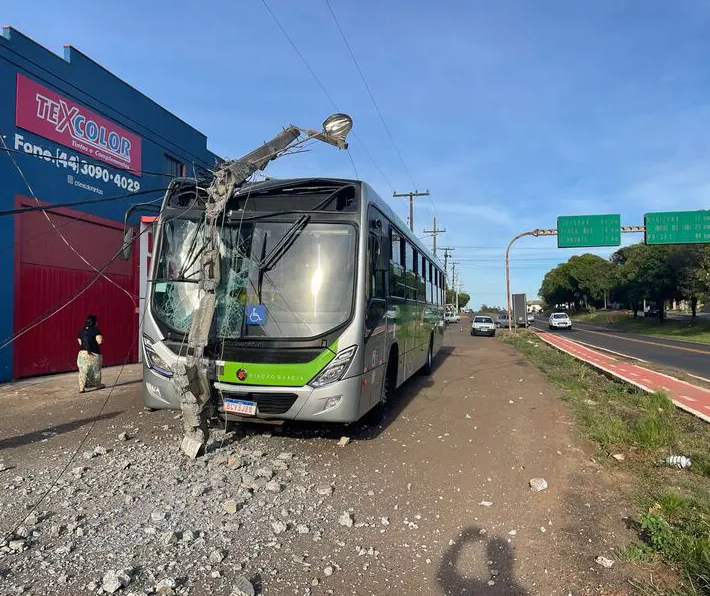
{"type": "Point", "coordinates": [326, 302]}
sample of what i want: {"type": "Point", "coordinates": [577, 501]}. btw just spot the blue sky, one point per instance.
{"type": "Point", "coordinates": [509, 112]}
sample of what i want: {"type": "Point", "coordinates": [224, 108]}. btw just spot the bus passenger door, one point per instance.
{"type": "Point", "coordinates": [375, 357]}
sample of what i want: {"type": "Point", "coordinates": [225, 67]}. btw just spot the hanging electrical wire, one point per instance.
{"type": "Point", "coordinates": [369, 92]}
{"type": "Point", "coordinates": [9, 533]}
{"type": "Point", "coordinates": [324, 90]}
{"type": "Point", "coordinates": [131, 296]}
{"type": "Point", "coordinates": [49, 313]}
{"type": "Point", "coordinates": [72, 163]}
{"type": "Point", "coordinates": [49, 207]}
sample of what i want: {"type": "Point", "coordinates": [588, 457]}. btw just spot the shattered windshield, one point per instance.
{"type": "Point", "coordinates": [307, 291]}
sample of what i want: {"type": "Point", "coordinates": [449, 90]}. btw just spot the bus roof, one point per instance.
{"type": "Point", "coordinates": [371, 196]}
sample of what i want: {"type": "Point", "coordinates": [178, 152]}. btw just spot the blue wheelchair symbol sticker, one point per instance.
{"type": "Point", "coordinates": [256, 314]}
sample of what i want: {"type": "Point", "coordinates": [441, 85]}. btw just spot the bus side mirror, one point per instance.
{"type": "Point", "coordinates": [127, 247]}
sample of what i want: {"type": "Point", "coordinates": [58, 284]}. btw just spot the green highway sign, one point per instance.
{"type": "Point", "coordinates": [677, 227]}
{"type": "Point", "coordinates": [578, 231]}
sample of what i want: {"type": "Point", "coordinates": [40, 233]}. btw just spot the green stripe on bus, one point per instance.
{"type": "Point", "coordinates": [280, 375]}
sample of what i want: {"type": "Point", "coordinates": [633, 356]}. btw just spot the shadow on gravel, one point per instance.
{"type": "Point", "coordinates": [357, 431]}
{"type": "Point", "coordinates": [452, 579]}
{"type": "Point", "coordinates": [52, 431]}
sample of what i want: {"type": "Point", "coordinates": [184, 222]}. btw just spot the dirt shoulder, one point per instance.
{"type": "Point", "coordinates": [435, 501]}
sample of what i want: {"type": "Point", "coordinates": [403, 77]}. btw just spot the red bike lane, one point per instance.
{"type": "Point", "coordinates": [684, 395]}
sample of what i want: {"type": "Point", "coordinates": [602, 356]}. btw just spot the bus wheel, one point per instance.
{"type": "Point", "coordinates": [377, 414]}
{"type": "Point", "coordinates": [428, 365]}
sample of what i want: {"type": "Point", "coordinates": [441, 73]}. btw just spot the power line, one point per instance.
{"type": "Point", "coordinates": [50, 312]}
{"type": "Point", "coordinates": [81, 443]}
{"type": "Point", "coordinates": [70, 163]}
{"type": "Point", "coordinates": [80, 203]}
{"type": "Point", "coordinates": [369, 92]}
{"type": "Point", "coordinates": [49, 219]}
{"type": "Point", "coordinates": [72, 220]}
{"type": "Point", "coordinates": [322, 87]}
{"type": "Point", "coordinates": [411, 195]}
{"type": "Point", "coordinates": [148, 132]}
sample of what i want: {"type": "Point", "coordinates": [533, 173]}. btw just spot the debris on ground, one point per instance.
{"type": "Point", "coordinates": [678, 461]}
{"type": "Point", "coordinates": [619, 456]}
{"type": "Point", "coordinates": [343, 441]}
{"type": "Point", "coordinates": [242, 587]}
{"type": "Point", "coordinates": [346, 520]}
{"type": "Point", "coordinates": [538, 484]}
{"type": "Point", "coordinates": [604, 562]}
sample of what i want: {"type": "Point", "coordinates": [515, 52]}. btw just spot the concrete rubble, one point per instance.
{"type": "Point", "coordinates": [170, 525]}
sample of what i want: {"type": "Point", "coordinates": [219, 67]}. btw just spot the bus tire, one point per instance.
{"type": "Point", "coordinates": [428, 365]}
{"type": "Point", "coordinates": [389, 384]}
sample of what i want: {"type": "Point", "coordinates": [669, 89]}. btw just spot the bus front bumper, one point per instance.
{"type": "Point", "coordinates": [338, 402]}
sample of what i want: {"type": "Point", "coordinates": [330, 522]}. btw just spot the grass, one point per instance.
{"type": "Point", "coordinates": [698, 330]}
{"type": "Point", "coordinates": [673, 519]}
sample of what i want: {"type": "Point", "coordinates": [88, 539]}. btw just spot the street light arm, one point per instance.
{"type": "Point", "coordinates": [535, 232]}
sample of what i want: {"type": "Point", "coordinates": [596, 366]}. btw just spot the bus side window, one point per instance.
{"type": "Point", "coordinates": [411, 272]}
{"type": "Point", "coordinates": [422, 280]}
{"type": "Point", "coordinates": [429, 286]}
{"type": "Point", "coordinates": [396, 272]}
{"type": "Point", "coordinates": [376, 279]}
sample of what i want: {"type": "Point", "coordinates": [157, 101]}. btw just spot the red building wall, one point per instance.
{"type": "Point", "coordinates": [48, 274]}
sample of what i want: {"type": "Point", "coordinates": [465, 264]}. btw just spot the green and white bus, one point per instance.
{"type": "Point", "coordinates": [326, 301]}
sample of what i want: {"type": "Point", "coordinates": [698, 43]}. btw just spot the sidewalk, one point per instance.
{"type": "Point", "coordinates": [685, 396]}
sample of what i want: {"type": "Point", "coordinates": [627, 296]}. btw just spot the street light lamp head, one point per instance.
{"type": "Point", "coordinates": [336, 128]}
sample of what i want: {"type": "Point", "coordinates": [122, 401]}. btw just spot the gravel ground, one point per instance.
{"type": "Point", "coordinates": [445, 498]}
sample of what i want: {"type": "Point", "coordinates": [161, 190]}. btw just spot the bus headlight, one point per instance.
{"type": "Point", "coordinates": [154, 361]}
{"type": "Point", "coordinates": [335, 369]}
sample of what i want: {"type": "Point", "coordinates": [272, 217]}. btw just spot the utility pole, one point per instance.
{"type": "Point", "coordinates": [434, 232]}
{"type": "Point", "coordinates": [411, 196]}
{"type": "Point", "coordinates": [454, 285]}
{"type": "Point", "coordinates": [447, 254]}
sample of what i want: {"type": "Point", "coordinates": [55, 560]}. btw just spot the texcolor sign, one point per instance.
{"type": "Point", "coordinates": [64, 121]}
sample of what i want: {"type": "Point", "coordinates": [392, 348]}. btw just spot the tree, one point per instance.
{"type": "Point", "coordinates": [464, 298]}
{"type": "Point", "coordinates": [626, 282]}
{"type": "Point", "coordinates": [691, 264]}
{"type": "Point", "coordinates": [583, 280]}
{"type": "Point", "coordinates": [647, 273]}
{"type": "Point", "coordinates": [557, 286]}
{"type": "Point", "coordinates": [591, 278]}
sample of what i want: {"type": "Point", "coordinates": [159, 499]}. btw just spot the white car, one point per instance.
{"type": "Point", "coordinates": [483, 325]}
{"type": "Point", "coordinates": [452, 317]}
{"type": "Point", "coordinates": [560, 320]}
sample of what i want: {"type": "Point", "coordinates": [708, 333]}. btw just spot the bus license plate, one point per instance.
{"type": "Point", "coordinates": [237, 406]}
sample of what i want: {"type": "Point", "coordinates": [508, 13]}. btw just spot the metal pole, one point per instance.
{"type": "Point", "coordinates": [507, 272]}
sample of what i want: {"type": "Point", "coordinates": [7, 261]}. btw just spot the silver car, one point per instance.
{"type": "Point", "coordinates": [483, 325]}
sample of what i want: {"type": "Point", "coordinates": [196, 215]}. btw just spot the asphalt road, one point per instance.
{"type": "Point", "coordinates": [693, 358]}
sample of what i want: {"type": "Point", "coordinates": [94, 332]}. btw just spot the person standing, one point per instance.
{"type": "Point", "coordinates": [89, 359]}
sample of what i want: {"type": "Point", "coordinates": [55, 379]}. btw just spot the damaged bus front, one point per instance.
{"type": "Point", "coordinates": [314, 317]}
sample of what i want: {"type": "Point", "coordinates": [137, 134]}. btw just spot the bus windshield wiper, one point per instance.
{"type": "Point", "coordinates": [268, 261]}
{"type": "Point", "coordinates": [286, 241]}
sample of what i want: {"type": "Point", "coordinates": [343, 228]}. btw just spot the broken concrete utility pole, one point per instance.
{"type": "Point", "coordinates": [190, 377]}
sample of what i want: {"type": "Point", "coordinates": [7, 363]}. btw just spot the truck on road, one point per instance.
{"type": "Point", "coordinates": [520, 310]}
